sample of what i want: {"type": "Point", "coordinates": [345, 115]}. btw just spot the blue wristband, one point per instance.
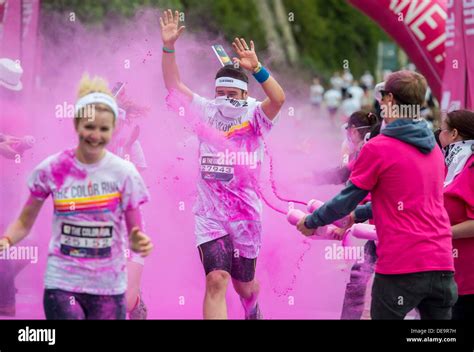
{"type": "Point", "coordinates": [168, 51]}
{"type": "Point", "coordinates": [262, 75]}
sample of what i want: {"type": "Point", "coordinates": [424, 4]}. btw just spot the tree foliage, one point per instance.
{"type": "Point", "coordinates": [327, 32]}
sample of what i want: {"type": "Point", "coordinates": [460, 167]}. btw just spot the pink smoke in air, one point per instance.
{"type": "Point", "coordinates": [296, 279]}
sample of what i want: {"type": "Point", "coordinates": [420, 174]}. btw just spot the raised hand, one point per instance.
{"type": "Point", "coordinates": [170, 30]}
{"type": "Point", "coordinates": [247, 57]}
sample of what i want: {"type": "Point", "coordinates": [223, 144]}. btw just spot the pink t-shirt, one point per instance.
{"type": "Point", "coordinates": [407, 202]}
{"type": "Point", "coordinates": [459, 202]}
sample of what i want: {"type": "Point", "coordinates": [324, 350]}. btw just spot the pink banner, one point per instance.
{"type": "Point", "coordinates": [468, 24]}
{"type": "Point", "coordinates": [454, 81]}
{"type": "Point", "coordinates": [10, 29]}
{"type": "Point", "coordinates": [418, 26]}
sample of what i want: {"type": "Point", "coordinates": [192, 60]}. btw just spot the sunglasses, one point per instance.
{"type": "Point", "coordinates": [384, 93]}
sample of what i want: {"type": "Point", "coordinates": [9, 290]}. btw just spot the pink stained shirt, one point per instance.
{"type": "Point", "coordinates": [459, 203]}
{"type": "Point", "coordinates": [407, 202]}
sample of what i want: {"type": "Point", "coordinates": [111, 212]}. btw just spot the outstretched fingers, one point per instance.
{"type": "Point", "coordinates": [252, 45]}
{"type": "Point", "coordinates": [238, 44]}
{"type": "Point", "coordinates": [244, 44]}
{"type": "Point", "coordinates": [176, 18]}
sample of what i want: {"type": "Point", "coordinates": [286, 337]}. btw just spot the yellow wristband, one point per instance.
{"type": "Point", "coordinates": [259, 68]}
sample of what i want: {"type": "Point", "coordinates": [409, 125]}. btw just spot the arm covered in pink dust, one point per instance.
{"type": "Point", "coordinates": [139, 242]}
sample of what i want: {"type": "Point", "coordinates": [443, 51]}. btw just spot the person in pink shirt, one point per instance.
{"type": "Point", "coordinates": [457, 139]}
{"type": "Point", "coordinates": [403, 169]}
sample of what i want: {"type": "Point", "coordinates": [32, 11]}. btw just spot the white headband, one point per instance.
{"type": "Point", "coordinates": [97, 98]}
{"type": "Point", "coordinates": [231, 83]}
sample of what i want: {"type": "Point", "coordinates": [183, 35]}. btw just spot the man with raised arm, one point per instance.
{"type": "Point", "coordinates": [228, 207]}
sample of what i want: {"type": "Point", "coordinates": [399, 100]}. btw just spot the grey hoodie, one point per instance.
{"type": "Point", "coordinates": [416, 133]}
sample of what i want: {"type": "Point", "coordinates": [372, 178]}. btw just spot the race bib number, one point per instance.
{"type": "Point", "coordinates": [87, 240]}
{"type": "Point", "coordinates": [211, 170]}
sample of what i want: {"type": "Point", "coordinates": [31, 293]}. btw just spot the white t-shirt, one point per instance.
{"type": "Point", "coordinates": [332, 98]}
{"type": "Point", "coordinates": [356, 92]}
{"type": "Point", "coordinates": [230, 156]}
{"type": "Point", "coordinates": [316, 93]}
{"type": "Point", "coordinates": [349, 106]}
{"type": "Point", "coordinates": [367, 80]}
{"type": "Point", "coordinates": [348, 78]}
{"type": "Point", "coordinates": [337, 82]}
{"type": "Point", "coordinates": [89, 246]}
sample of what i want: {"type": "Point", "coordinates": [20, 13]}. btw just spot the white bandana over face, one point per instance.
{"type": "Point", "coordinates": [231, 108]}
{"type": "Point", "coordinates": [456, 156]}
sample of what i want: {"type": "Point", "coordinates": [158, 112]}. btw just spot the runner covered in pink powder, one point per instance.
{"type": "Point", "coordinates": [97, 198]}
{"type": "Point", "coordinates": [228, 207]}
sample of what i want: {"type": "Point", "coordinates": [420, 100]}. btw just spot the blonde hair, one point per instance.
{"type": "Point", "coordinates": [89, 85]}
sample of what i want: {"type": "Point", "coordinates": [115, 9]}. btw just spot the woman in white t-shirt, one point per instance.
{"type": "Point", "coordinates": [96, 197]}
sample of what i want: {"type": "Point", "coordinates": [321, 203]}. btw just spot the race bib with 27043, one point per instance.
{"type": "Point", "coordinates": [211, 170]}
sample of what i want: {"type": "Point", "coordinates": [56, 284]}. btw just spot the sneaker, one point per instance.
{"type": "Point", "coordinates": [140, 311]}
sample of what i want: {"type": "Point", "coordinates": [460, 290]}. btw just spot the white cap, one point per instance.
{"type": "Point", "coordinates": [10, 74]}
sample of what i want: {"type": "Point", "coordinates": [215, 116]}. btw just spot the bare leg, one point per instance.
{"type": "Point", "coordinates": [215, 306]}
{"type": "Point", "coordinates": [248, 292]}
{"type": "Point", "coordinates": [136, 308]}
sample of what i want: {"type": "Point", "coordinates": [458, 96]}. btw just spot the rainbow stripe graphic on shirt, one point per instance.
{"type": "Point", "coordinates": [238, 130]}
{"type": "Point", "coordinates": [95, 204]}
